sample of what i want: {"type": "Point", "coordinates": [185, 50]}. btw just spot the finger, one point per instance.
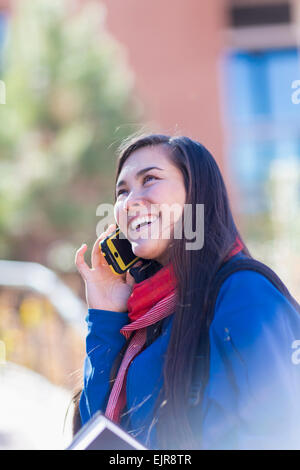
{"type": "Point", "coordinates": [97, 257]}
{"type": "Point", "coordinates": [130, 279]}
{"type": "Point", "coordinates": [81, 265]}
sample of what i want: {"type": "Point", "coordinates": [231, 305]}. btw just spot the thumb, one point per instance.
{"type": "Point", "coordinates": [129, 279]}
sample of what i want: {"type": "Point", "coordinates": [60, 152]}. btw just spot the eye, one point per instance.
{"type": "Point", "coordinates": [121, 191]}
{"type": "Point", "coordinates": [149, 176]}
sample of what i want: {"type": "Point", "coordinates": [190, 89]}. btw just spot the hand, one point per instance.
{"type": "Point", "coordinates": [104, 289]}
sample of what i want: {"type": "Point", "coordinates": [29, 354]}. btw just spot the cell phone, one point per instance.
{"type": "Point", "coordinates": [118, 252]}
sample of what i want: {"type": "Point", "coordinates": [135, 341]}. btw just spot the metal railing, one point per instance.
{"type": "Point", "coordinates": [43, 280]}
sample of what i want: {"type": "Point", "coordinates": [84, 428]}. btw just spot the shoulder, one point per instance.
{"type": "Point", "coordinates": [247, 301]}
{"type": "Point", "coordinates": [244, 287]}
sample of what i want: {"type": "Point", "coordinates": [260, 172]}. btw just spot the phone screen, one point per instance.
{"type": "Point", "coordinates": [123, 246]}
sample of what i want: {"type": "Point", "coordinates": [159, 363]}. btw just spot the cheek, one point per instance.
{"type": "Point", "coordinates": [160, 193]}
{"type": "Point", "coordinates": [118, 212]}
{"type": "Point", "coordinates": [179, 192]}
{"type": "Point", "coordinates": [174, 195]}
{"type": "Point", "coordinates": [121, 217]}
{"type": "Point", "coordinates": [175, 199]}
{"type": "Point", "coordinates": [173, 192]}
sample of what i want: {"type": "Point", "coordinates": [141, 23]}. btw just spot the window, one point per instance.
{"type": "Point", "coordinates": [264, 124]}
{"type": "Point", "coordinates": [243, 15]}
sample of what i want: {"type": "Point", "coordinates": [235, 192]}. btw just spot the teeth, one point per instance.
{"type": "Point", "coordinates": [141, 220]}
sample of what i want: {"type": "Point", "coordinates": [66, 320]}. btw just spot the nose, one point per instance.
{"type": "Point", "coordinates": [132, 202]}
{"type": "Point", "coordinates": [132, 206]}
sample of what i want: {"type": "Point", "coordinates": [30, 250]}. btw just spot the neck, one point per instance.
{"type": "Point", "coordinates": [164, 259]}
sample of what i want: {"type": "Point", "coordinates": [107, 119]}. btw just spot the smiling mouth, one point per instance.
{"type": "Point", "coordinates": [145, 224]}
{"type": "Point", "coordinates": [140, 227]}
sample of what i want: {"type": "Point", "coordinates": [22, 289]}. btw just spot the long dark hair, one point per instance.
{"type": "Point", "coordinates": [194, 270]}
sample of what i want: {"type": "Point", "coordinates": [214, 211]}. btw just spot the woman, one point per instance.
{"type": "Point", "coordinates": [249, 386]}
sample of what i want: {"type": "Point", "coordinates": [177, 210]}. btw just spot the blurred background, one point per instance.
{"type": "Point", "coordinates": [79, 76]}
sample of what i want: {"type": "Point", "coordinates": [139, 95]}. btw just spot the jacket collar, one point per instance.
{"type": "Point", "coordinates": [147, 269]}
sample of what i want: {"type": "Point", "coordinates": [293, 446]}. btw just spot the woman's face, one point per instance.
{"type": "Point", "coordinates": [150, 185]}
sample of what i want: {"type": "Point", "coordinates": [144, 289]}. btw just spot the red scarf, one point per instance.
{"type": "Point", "coordinates": [147, 293]}
{"type": "Point", "coordinates": [151, 300]}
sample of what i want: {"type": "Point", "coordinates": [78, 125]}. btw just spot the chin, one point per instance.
{"type": "Point", "coordinates": [145, 249]}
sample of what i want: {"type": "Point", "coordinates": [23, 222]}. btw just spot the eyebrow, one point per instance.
{"type": "Point", "coordinates": [139, 173]}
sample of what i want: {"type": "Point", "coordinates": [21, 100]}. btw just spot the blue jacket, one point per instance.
{"type": "Point", "coordinates": [252, 398]}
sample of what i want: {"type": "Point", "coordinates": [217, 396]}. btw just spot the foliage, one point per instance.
{"type": "Point", "coordinates": [69, 103]}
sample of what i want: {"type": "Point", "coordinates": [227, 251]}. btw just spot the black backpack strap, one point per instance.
{"type": "Point", "coordinates": [153, 332]}
{"type": "Point", "coordinates": [231, 266]}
